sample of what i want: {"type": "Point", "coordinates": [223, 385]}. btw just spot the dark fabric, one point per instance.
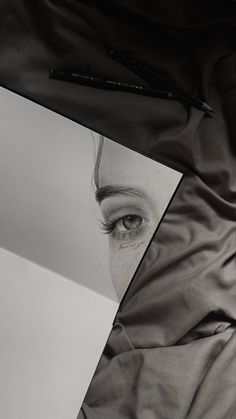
{"type": "Point", "coordinates": [174, 354]}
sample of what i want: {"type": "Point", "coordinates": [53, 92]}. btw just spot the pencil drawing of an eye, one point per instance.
{"type": "Point", "coordinates": [124, 227]}
{"type": "Point", "coordinates": [128, 201]}
{"type": "Point", "coordinates": [128, 208]}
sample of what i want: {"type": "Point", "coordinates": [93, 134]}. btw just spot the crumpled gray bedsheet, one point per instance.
{"type": "Point", "coordinates": [171, 354]}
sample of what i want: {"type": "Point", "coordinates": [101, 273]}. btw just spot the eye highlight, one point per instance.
{"type": "Point", "coordinates": [131, 221]}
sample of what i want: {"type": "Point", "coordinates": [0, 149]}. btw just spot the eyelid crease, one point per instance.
{"type": "Point", "coordinates": [112, 190]}
{"type": "Point", "coordinates": [113, 213]}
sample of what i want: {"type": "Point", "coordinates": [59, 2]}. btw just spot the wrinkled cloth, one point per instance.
{"type": "Point", "coordinates": [171, 353]}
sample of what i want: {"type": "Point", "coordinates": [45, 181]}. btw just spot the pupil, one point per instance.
{"type": "Point", "coordinates": [132, 221]}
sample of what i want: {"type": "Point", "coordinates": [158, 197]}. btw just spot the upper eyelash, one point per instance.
{"type": "Point", "coordinates": [108, 226]}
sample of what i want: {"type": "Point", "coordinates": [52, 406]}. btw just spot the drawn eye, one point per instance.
{"type": "Point", "coordinates": [125, 227]}
{"type": "Point", "coordinates": [129, 222]}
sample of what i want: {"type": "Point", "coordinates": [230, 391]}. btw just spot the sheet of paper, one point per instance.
{"type": "Point", "coordinates": [53, 332]}
{"type": "Point", "coordinates": [77, 213]}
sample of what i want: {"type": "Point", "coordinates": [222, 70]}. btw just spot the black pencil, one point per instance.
{"type": "Point", "coordinates": [101, 83]}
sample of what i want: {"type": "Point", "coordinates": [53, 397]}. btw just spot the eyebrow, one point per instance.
{"type": "Point", "coordinates": [113, 190]}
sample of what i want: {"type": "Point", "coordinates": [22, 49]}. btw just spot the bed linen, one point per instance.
{"type": "Point", "coordinates": [171, 353]}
